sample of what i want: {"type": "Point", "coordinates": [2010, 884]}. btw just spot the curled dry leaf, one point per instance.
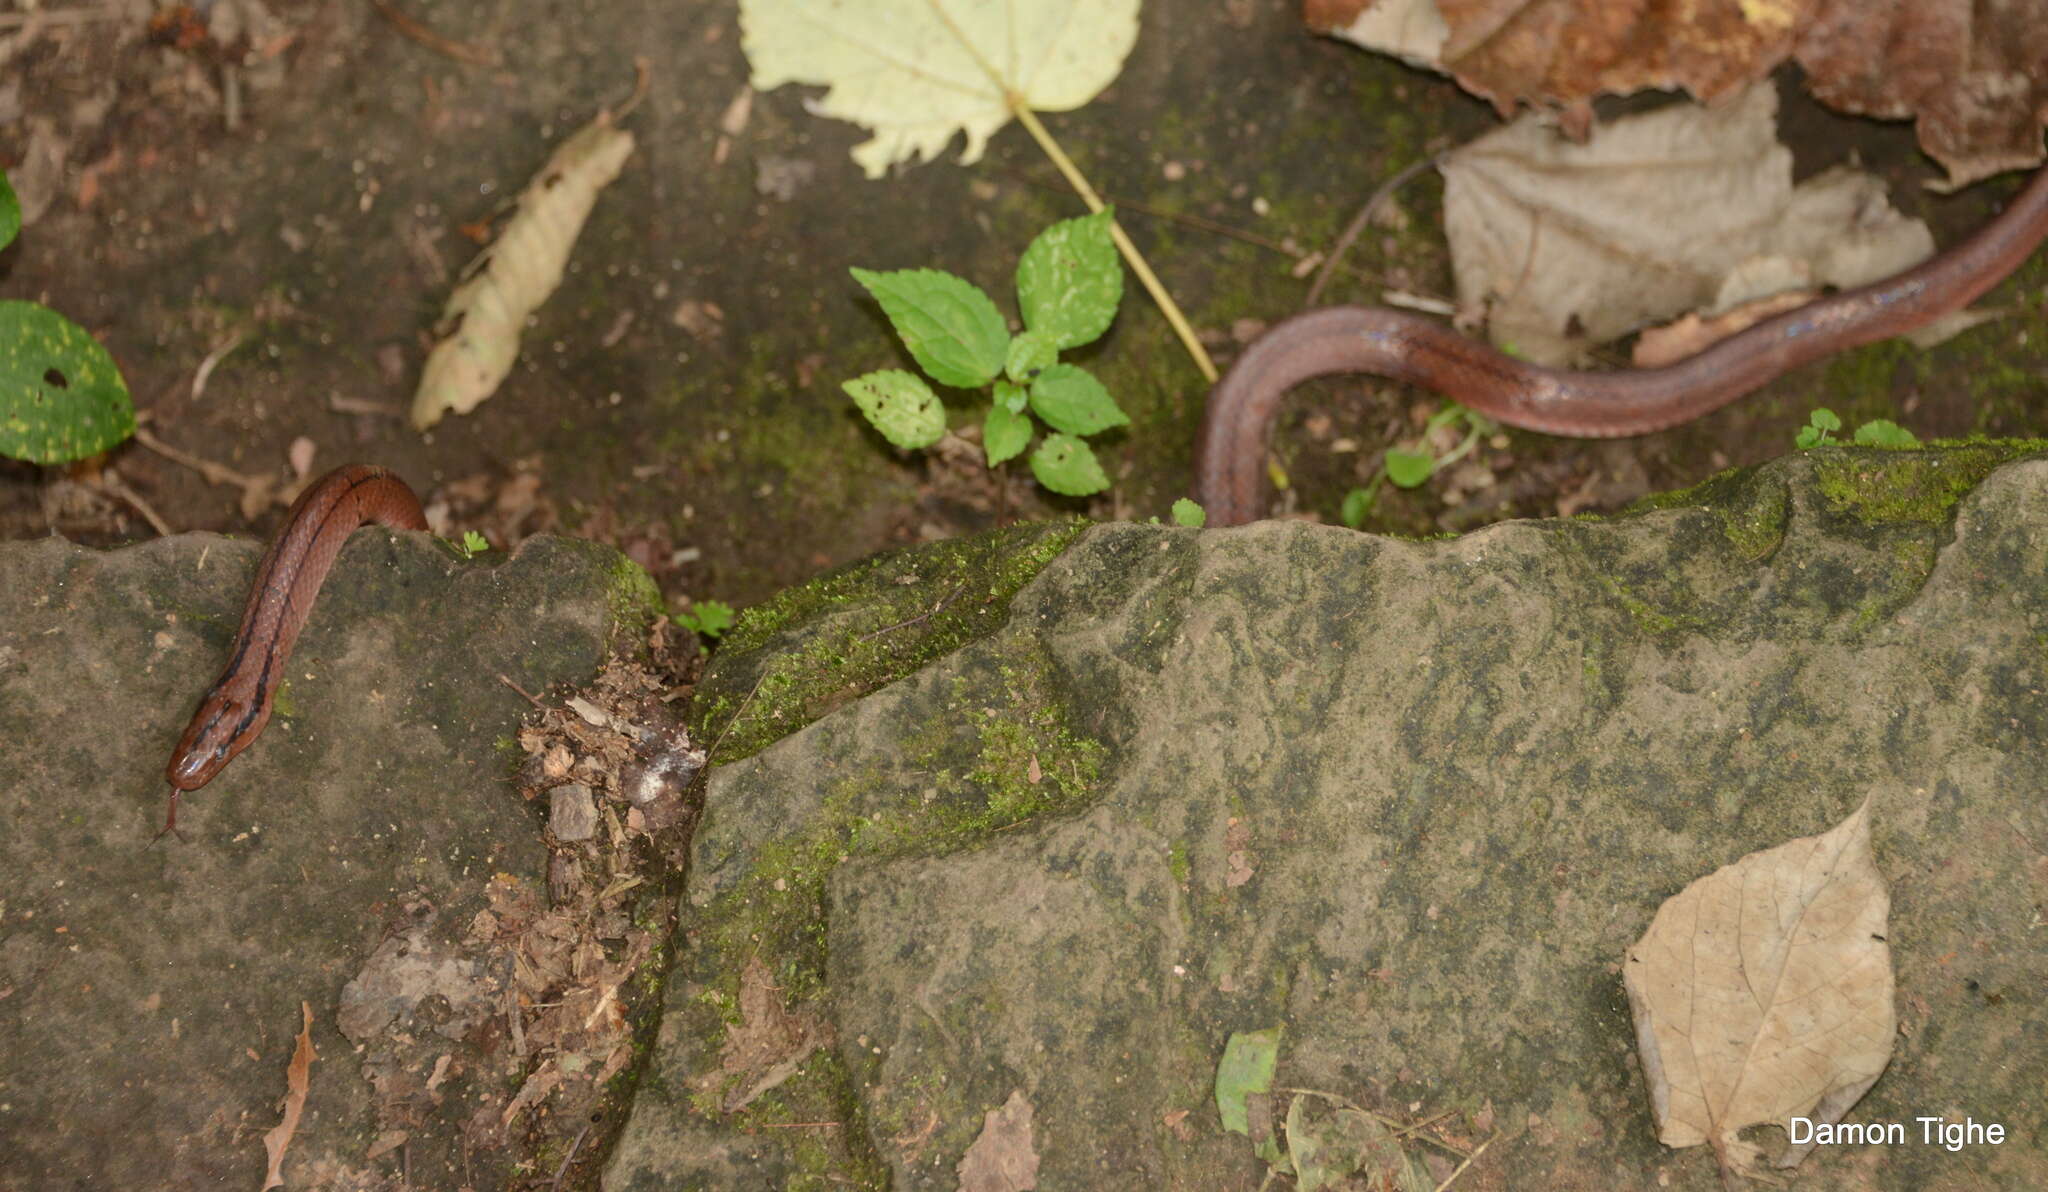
{"type": "Point", "coordinates": [509, 280]}
{"type": "Point", "coordinates": [1764, 991]}
{"type": "Point", "coordinates": [1568, 245]}
{"type": "Point", "coordinates": [1973, 72]}
{"type": "Point", "coordinates": [297, 1079]}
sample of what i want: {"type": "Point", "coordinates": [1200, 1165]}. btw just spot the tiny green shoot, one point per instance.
{"type": "Point", "coordinates": [707, 617]}
{"type": "Point", "coordinates": [1069, 282]}
{"type": "Point", "coordinates": [1878, 432]}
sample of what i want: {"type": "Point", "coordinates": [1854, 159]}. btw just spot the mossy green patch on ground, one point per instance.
{"type": "Point", "coordinates": [794, 658]}
{"type": "Point", "coordinates": [1875, 485]}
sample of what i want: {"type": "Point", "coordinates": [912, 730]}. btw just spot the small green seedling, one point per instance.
{"type": "Point", "coordinates": [61, 395]}
{"type": "Point", "coordinates": [1187, 513]}
{"type": "Point", "coordinates": [1410, 469]}
{"type": "Point", "coordinates": [1069, 282]}
{"type": "Point", "coordinates": [1878, 432]}
{"type": "Point", "coordinates": [708, 617]}
{"type": "Point", "coordinates": [472, 544]}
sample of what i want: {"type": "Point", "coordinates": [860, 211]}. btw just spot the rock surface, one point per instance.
{"type": "Point", "coordinates": [1409, 801]}
{"type": "Point", "coordinates": [149, 996]}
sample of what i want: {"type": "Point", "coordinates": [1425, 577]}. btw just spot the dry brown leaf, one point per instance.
{"type": "Point", "coordinates": [1764, 991]}
{"type": "Point", "coordinates": [1568, 245]}
{"type": "Point", "coordinates": [1974, 72]}
{"type": "Point", "coordinates": [1002, 1157]}
{"type": "Point", "coordinates": [297, 1078]}
{"type": "Point", "coordinates": [1690, 334]}
{"type": "Point", "coordinates": [510, 280]}
{"type": "Point", "coordinates": [767, 1046]}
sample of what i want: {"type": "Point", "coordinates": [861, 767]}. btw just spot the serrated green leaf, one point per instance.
{"type": "Point", "coordinates": [1004, 434]}
{"type": "Point", "coordinates": [1249, 1058]}
{"type": "Point", "coordinates": [900, 405]}
{"type": "Point", "coordinates": [1071, 400]}
{"type": "Point", "coordinates": [1067, 466]}
{"type": "Point", "coordinates": [1069, 281]}
{"type": "Point", "coordinates": [10, 212]}
{"type": "Point", "coordinates": [61, 396]}
{"type": "Point", "coordinates": [1189, 514]}
{"type": "Point", "coordinates": [1408, 469]}
{"type": "Point", "coordinates": [1012, 396]}
{"type": "Point", "coordinates": [952, 329]}
{"type": "Point", "coordinates": [1883, 432]}
{"type": "Point", "coordinates": [474, 543]}
{"type": "Point", "coordinates": [1030, 354]}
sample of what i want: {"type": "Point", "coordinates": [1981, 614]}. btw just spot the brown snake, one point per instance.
{"type": "Point", "coordinates": [1237, 426]}
{"type": "Point", "coordinates": [281, 596]}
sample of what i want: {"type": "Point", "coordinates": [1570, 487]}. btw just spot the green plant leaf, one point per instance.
{"type": "Point", "coordinates": [1069, 281]}
{"type": "Point", "coordinates": [1809, 436]}
{"type": "Point", "coordinates": [475, 543]}
{"type": "Point", "coordinates": [1071, 400]}
{"type": "Point", "coordinates": [1005, 433]}
{"type": "Point", "coordinates": [1066, 466]}
{"type": "Point", "coordinates": [708, 617]}
{"type": "Point", "coordinates": [1883, 432]}
{"type": "Point", "coordinates": [10, 212]}
{"type": "Point", "coordinates": [1187, 513]}
{"type": "Point", "coordinates": [1824, 419]}
{"type": "Point", "coordinates": [61, 396]}
{"type": "Point", "coordinates": [1012, 396]}
{"type": "Point", "coordinates": [900, 405]}
{"type": "Point", "coordinates": [1357, 504]}
{"type": "Point", "coordinates": [1407, 469]}
{"type": "Point", "coordinates": [1249, 1058]}
{"type": "Point", "coordinates": [952, 329]}
{"type": "Point", "coordinates": [1030, 354]}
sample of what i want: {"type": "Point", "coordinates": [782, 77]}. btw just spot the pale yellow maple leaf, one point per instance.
{"type": "Point", "coordinates": [917, 71]}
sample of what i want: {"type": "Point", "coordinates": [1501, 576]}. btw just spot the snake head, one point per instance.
{"type": "Point", "coordinates": [220, 728]}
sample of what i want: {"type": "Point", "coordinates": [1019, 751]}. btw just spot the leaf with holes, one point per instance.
{"type": "Point", "coordinates": [1070, 280]}
{"type": "Point", "coordinates": [900, 405]}
{"type": "Point", "coordinates": [61, 396]}
{"type": "Point", "coordinates": [1066, 466]}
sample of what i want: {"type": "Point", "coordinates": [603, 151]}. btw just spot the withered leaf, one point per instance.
{"type": "Point", "coordinates": [297, 1079]}
{"type": "Point", "coordinates": [1764, 991]}
{"type": "Point", "coordinates": [1002, 1157]}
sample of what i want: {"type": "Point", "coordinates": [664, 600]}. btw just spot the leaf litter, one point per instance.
{"type": "Point", "coordinates": [1764, 991]}
{"type": "Point", "coordinates": [513, 1023]}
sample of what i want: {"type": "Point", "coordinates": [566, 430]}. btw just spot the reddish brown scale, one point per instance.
{"type": "Point", "coordinates": [1237, 426]}
{"type": "Point", "coordinates": [281, 597]}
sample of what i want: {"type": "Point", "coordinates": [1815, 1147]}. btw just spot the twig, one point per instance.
{"type": "Point", "coordinates": [460, 51]}
{"type": "Point", "coordinates": [213, 472]}
{"type": "Point", "coordinates": [933, 611]}
{"type": "Point", "coordinates": [213, 359]}
{"type": "Point", "coordinates": [1469, 1161]}
{"type": "Point", "coordinates": [115, 485]}
{"type": "Point", "coordinates": [798, 1125]}
{"type": "Point", "coordinates": [507, 681]}
{"type": "Point", "coordinates": [60, 16]}
{"type": "Point", "coordinates": [1357, 226]}
{"type": "Point", "coordinates": [358, 405]}
{"type": "Point", "coordinates": [571, 1156]}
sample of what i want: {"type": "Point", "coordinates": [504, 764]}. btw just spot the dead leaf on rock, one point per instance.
{"type": "Point", "coordinates": [1764, 991]}
{"type": "Point", "coordinates": [1974, 73]}
{"type": "Point", "coordinates": [1002, 1157]}
{"type": "Point", "coordinates": [297, 1079]}
{"type": "Point", "coordinates": [768, 1044]}
{"type": "Point", "coordinates": [1568, 245]}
